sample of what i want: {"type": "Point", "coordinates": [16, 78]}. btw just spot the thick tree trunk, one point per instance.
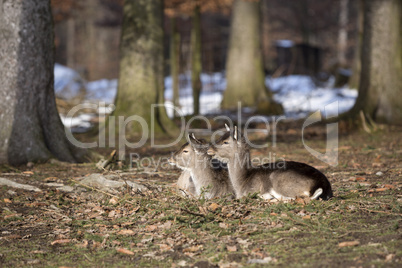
{"type": "Point", "coordinates": [356, 67]}
{"type": "Point", "coordinates": [141, 68]}
{"type": "Point", "coordinates": [244, 66]}
{"type": "Point", "coordinates": [175, 61]}
{"type": "Point", "coordinates": [31, 129]}
{"type": "Point", "coordinates": [196, 63]}
{"type": "Point", "coordinates": [380, 86]}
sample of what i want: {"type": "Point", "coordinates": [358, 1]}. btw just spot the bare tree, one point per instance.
{"type": "Point", "coordinates": [244, 66]}
{"type": "Point", "coordinates": [142, 67]}
{"type": "Point", "coordinates": [381, 62]}
{"type": "Point", "coordinates": [31, 129]}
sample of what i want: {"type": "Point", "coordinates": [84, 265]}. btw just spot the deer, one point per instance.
{"type": "Point", "coordinates": [282, 180]}
{"type": "Point", "coordinates": [210, 176]}
{"type": "Point", "coordinates": [185, 184]}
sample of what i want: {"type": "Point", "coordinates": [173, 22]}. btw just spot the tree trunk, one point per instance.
{"type": "Point", "coordinates": [356, 67]}
{"type": "Point", "coordinates": [381, 57]}
{"type": "Point", "coordinates": [343, 33]}
{"type": "Point", "coordinates": [31, 129]}
{"type": "Point", "coordinates": [196, 63]}
{"type": "Point", "coordinates": [142, 68]}
{"type": "Point", "coordinates": [244, 66]}
{"type": "Point", "coordinates": [175, 61]}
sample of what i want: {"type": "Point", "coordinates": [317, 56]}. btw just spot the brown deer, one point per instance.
{"type": "Point", "coordinates": [210, 176]}
{"type": "Point", "coordinates": [281, 180]}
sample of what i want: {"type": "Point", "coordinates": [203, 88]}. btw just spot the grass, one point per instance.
{"type": "Point", "coordinates": [161, 228]}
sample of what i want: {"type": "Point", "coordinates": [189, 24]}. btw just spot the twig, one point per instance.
{"type": "Point", "coordinates": [103, 192]}
{"type": "Point", "coordinates": [299, 222]}
{"type": "Point", "coordinates": [363, 118]}
{"type": "Point", "coordinates": [385, 212]}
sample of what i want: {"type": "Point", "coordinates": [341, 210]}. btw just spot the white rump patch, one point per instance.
{"type": "Point", "coordinates": [279, 196]}
{"type": "Point", "coordinates": [317, 193]}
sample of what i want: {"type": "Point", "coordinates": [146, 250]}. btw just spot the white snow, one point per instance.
{"type": "Point", "coordinates": [299, 94]}
{"type": "Point", "coordinates": [284, 43]}
{"type": "Point", "coordinates": [68, 84]}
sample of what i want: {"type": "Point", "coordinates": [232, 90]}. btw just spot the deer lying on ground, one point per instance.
{"type": "Point", "coordinates": [185, 184]}
{"type": "Point", "coordinates": [282, 180]}
{"type": "Point", "coordinates": [210, 176]}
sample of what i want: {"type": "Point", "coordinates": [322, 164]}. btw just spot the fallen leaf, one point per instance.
{"type": "Point", "coordinates": [182, 263]}
{"type": "Point", "coordinates": [167, 225]}
{"type": "Point", "coordinates": [231, 248]}
{"type": "Point", "coordinates": [307, 217]}
{"type": "Point", "coordinates": [223, 225]}
{"type": "Point", "coordinates": [151, 228]}
{"type": "Point", "coordinates": [38, 252]}
{"type": "Point", "coordinates": [61, 241]}
{"type": "Point", "coordinates": [389, 186]}
{"type": "Point", "coordinates": [192, 248]}
{"type": "Point", "coordinates": [112, 214]}
{"type": "Point", "coordinates": [11, 216]}
{"type": "Point", "coordinates": [50, 179]}
{"type": "Point", "coordinates": [84, 244]}
{"type": "Point", "coordinates": [360, 179]}
{"type": "Point", "coordinates": [273, 214]}
{"type": "Point", "coordinates": [6, 200]}
{"type": "Point", "coordinates": [28, 172]}
{"type": "Point", "coordinates": [113, 200]}
{"type": "Point", "coordinates": [389, 257]}
{"type": "Point", "coordinates": [348, 244]}
{"type": "Point", "coordinates": [213, 207]}
{"type": "Point", "coordinates": [165, 247]}
{"type": "Point", "coordinates": [300, 201]}
{"type": "Point", "coordinates": [377, 190]}
{"type": "Point", "coordinates": [125, 251]}
{"type": "Point", "coordinates": [126, 232]}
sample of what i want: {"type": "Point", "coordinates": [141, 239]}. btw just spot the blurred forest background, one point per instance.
{"type": "Point", "coordinates": [274, 57]}
{"type": "Point", "coordinates": [321, 35]}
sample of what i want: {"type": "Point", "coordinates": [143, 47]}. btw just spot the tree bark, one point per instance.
{"type": "Point", "coordinates": [196, 63]}
{"type": "Point", "coordinates": [31, 129]}
{"type": "Point", "coordinates": [244, 66]}
{"type": "Point", "coordinates": [142, 68]}
{"type": "Point", "coordinates": [343, 33]}
{"type": "Point", "coordinates": [356, 67]}
{"type": "Point", "coordinates": [381, 62]}
{"type": "Point", "coordinates": [175, 61]}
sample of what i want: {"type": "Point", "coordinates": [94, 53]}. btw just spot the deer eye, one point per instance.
{"type": "Point", "coordinates": [185, 151]}
{"type": "Point", "coordinates": [225, 142]}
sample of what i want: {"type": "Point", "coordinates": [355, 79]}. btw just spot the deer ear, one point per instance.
{"type": "Point", "coordinates": [227, 127]}
{"type": "Point", "coordinates": [190, 138]}
{"type": "Point", "coordinates": [235, 136]}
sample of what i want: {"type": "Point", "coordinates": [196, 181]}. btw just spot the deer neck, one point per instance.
{"type": "Point", "coordinates": [202, 173]}
{"type": "Point", "coordinates": [238, 168]}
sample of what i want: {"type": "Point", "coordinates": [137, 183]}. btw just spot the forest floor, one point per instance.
{"type": "Point", "coordinates": [158, 227]}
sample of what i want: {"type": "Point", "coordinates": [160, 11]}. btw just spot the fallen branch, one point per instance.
{"type": "Point", "coordinates": [103, 192]}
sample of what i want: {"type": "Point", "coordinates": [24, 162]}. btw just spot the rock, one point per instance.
{"type": "Point", "coordinates": [10, 183]}
{"type": "Point", "coordinates": [379, 173]}
{"type": "Point", "coordinates": [65, 189]}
